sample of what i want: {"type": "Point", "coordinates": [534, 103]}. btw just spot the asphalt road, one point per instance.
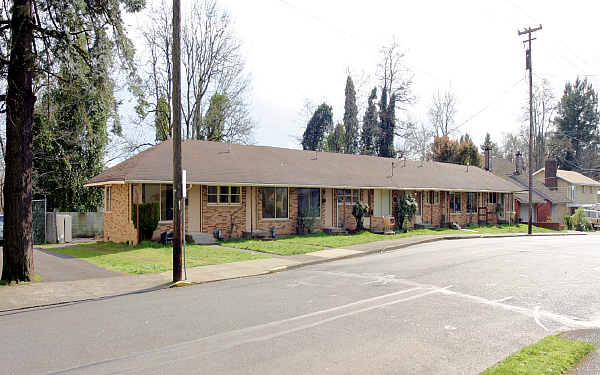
{"type": "Point", "coordinates": [51, 266]}
{"type": "Point", "coordinates": [451, 307]}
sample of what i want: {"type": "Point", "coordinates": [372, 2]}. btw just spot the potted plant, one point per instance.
{"type": "Point", "coordinates": [360, 210]}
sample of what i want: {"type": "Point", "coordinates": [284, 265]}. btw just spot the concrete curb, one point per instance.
{"type": "Point", "coordinates": [291, 267]}
{"type": "Point", "coordinates": [420, 242]}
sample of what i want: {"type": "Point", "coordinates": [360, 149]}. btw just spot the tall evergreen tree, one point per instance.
{"type": "Point", "coordinates": [488, 143]}
{"type": "Point", "coordinates": [368, 136]}
{"type": "Point", "coordinates": [350, 119]}
{"type": "Point", "coordinates": [577, 126]}
{"type": "Point", "coordinates": [382, 123]}
{"type": "Point", "coordinates": [70, 137]}
{"type": "Point", "coordinates": [336, 139]}
{"type": "Point", "coordinates": [320, 122]}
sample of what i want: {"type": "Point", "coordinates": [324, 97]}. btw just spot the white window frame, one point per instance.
{"type": "Point", "coordinates": [452, 203]}
{"type": "Point", "coordinates": [218, 195]}
{"type": "Point", "coordinates": [436, 197]}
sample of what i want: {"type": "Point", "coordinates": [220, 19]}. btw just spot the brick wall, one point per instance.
{"type": "Point", "coordinates": [221, 217]}
{"type": "Point", "coordinates": [118, 226]}
{"type": "Point", "coordinates": [282, 226]}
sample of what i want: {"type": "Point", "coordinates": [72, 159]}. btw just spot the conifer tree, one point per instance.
{"type": "Point", "coordinates": [336, 139]}
{"type": "Point", "coordinates": [368, 136]}
{"type": "Point", "coordinates": [350, 119]}
{"type": "Point", "coordinates": [320, 122]}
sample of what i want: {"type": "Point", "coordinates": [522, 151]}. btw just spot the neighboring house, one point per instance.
{"type": "Point", "coordinates": [549, 205]}
{"type": "Point", "coordinates": [241, 189]}
{"type": "Point", "coordinates": [581, 190]}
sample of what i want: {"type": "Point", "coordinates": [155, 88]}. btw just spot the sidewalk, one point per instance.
{"type": "Point", "coordinates": [590, 364]}
{"type": "Point", "coordinates": [25, 296]}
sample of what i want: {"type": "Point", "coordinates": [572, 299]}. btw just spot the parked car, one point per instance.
{"type": "Point", "coordinates": [1, 229]}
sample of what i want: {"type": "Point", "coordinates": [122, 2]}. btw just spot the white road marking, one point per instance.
{"type": "Point", "coordinates": [504, 299]}
{"type": "Point", "coordinates": [565, 320]}
{"type": "Point", "coordinates": [536, 317]}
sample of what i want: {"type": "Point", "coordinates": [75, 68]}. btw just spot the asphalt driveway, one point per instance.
{"type": "Point", "coordinates": [50, 266]}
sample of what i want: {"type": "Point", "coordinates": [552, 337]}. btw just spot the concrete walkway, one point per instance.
{"type": "Point", "coordinates": [25, 296]}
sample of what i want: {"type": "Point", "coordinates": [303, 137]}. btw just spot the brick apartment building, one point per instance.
{"type": "Point", "coordinates": [239, 188]}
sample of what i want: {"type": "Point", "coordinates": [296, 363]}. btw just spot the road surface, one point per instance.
{"type": "Point", "coordinates": [450, 307]}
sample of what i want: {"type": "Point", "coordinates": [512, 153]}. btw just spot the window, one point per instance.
{"type": "Point", "coordinates": [433, 197]}
{"type": "Point", "coordinates": [349, 196]}
{"type": "Point", "coordinates": [471, 202]}
{"type": "Point", "coordinates": [275, 203]}
{"type": "Point", "coordinates": [492, 197]}
{"type": "Point", "coordinates": [583, 189]}
{"type": "Point", "coordinates": [224, 195]}
{"type": "Point", "coordinates": [108, 199]}
{"type": "Point", "coordinates": [150, 193]}
{"type": "Point", "coordinates": [166, 202]}
{"type": "Point", "coordinates": [455, 202]}
{"type": "Point", "coordinates": [309, 202]}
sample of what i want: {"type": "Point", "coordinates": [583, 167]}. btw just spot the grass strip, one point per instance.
{"type": "Point", "coordinates": [151, 257]}
{"type": "Point", "coordinates": [301, 244]}
{"type": "Point", "coordinates": [552, 355]}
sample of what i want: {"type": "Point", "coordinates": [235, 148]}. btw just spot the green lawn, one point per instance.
{"type": "Point", "coordinates": [301, 244]}
{"type": "Point", "coordinates": [552, 355]}
{"type": "Point", "coordinates": [149, 257]}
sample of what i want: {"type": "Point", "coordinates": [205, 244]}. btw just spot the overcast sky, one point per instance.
{"type": "Point", "coordinates": [298, 50]}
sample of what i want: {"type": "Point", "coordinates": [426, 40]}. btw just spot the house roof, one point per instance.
{"type": "Point", "coordinates": [572, 177]}
{"type": "Point", "coordinates": [505, 168]}
{"type": "Point", "coordinates": [211, 163]}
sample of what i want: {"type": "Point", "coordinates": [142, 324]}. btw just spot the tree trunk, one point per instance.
{"type": "Point", "coordinates": [18, 236]}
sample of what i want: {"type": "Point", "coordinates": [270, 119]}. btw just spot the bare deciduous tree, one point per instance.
{"type": "Point", "coordinates": [212, 64]}
{"type": "Point", "coordinates": [544, 108]}
{"type": "Point", "coordinates": [442, 113]}
{"type": "Point", "coordinates": [394, 76]}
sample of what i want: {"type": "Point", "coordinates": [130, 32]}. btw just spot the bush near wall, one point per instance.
{"type": "Point", "coordinates": [149, 216]}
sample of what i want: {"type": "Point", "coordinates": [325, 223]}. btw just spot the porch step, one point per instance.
{"type": "Point", "coordinates": [200, 238]}
{"type": "Point", "coordinates": [334, 230]}
{"type": "Point", "coordinates": [424, 226]}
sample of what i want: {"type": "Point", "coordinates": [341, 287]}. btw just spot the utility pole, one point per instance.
{"type": "Point", "coordinates": [528, 66]}
{"type": "Point", "coordinates": [177, 171]}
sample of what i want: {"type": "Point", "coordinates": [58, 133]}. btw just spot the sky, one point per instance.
{"type": "Point", "coordinates": [303, 50]}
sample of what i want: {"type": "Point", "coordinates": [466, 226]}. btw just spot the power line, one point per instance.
{"type": "Point", "coordinates": [490, 104]}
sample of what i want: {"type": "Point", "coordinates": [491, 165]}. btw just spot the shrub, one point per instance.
{"type": "Point", "coordinates": [360, 210]}
{"type": "Point", "coordinates": [307, 220]}
{"type": "Point", "coordinates": [405, 225]}
{"type": "Point", "coordinates": [149, 216]}
{"type": "Point", "coordinates": [579, 220]}
{"type": "Point", "coordinates": [405, 209]}
{"type": "Point", "coordinates": [568, 221]}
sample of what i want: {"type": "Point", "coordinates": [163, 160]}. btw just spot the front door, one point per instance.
{"type": "Point", "coordinates": [381, 203]}
{"type": "Point", "coordinates": [193, 208]}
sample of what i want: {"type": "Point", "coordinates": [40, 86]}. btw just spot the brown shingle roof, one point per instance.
{"type": "Point", "coordinates": [505, 168]}
{"type": "Point", "coordinates": [210, 163]}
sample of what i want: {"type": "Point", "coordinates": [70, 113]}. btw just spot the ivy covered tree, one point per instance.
{"type": "Point", "coordinates": [336, 140]}
{"type": "Point", "coordinates": [47, 41]}
{"type": "Point", "coordinates": [162, 120]}
{"type": "Point", "coordinates": [577, 127]}
{"type": "Point", "coordinates": [215, 118]}
{"type": "Point", "coordinates": [368, 136]}
{"type": "Point", "coordinates": [350, 119]}
{"type": "Point", "coordinates": [318, 125]}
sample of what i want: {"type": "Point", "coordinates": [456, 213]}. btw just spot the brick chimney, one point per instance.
{"type": "Point", "coordinates": [488, 159]}
{"type": "Point", "coordinates": [518, 163]}
{"type": "Point", "coordinates": [550, 174]}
